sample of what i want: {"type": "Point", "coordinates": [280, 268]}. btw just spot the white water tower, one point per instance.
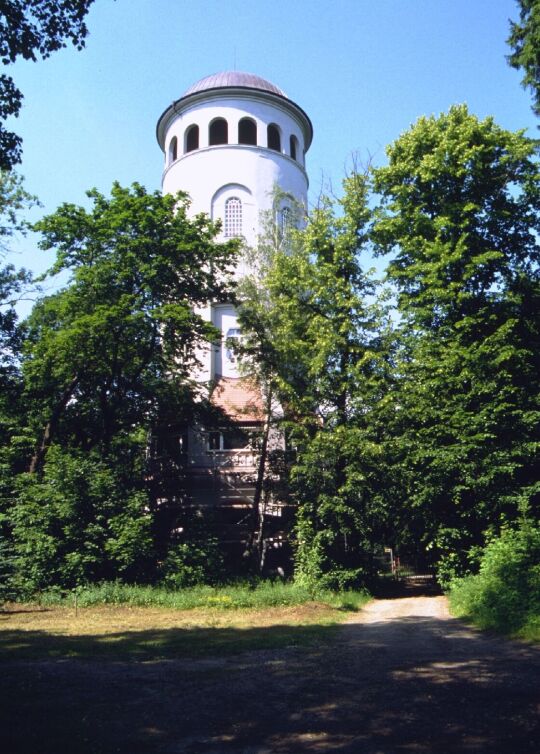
{"type": "Point", "coordinates": [228, 142]}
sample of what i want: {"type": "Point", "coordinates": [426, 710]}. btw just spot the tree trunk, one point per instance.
{"type": "Point", "coordinates": [38, 459]}
{"type": "Point", "coordinates": [258, 517]}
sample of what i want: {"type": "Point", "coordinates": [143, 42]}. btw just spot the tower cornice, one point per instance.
{"type": "Point", "coordinates": [234, 92]}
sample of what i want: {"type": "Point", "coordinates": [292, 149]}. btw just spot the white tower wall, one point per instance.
{"type": "Point", "coordinates": [221, 175]}
{"type": "Point", "coordinates": [211, 174]}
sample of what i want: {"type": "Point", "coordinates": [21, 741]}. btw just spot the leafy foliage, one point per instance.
{"type": "Point", "coordinates": [7, 566]}
{"type": "Point", "coordinates": [13, 201]}
{"type": "Point", "coordinates": [13, 284]}
{"type": "Point", "coordinates": [85, 521]}
{"type": "Point", "coordinates": [114, 349]}
{"type": "Point", "coordinates": [104, 361]}
{"type": "Point", "coordinates": [524, 39]}
{"type": "Point", "coordinates": [317, 331]}
{"type": "Point", "coordinates": [190, 563]}
{"type": "Point", "coordinates": [459, 214]}
{"type": "Point", "coordinates": [505, 594]}
{"type": "Point", "coordinates": [31, 28]}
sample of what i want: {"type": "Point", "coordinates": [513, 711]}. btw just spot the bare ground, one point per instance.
{"type": "Point", "coordinates": [401, 676]}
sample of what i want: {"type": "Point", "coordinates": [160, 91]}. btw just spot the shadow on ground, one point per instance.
{"type": "Point", "coordinates": [158, 644]}
{"type": "Point", "coordinates": [414, 684]}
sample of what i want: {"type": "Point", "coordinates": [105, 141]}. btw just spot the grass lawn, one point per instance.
{"type": "Point", "coordinates": [142, 633]}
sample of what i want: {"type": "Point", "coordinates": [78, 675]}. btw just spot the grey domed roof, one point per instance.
{"type": "Point", "coordinates": [233, 79]}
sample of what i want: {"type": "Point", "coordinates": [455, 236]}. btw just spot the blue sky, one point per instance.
{"type": "Point", "coordinates": [364, 71]}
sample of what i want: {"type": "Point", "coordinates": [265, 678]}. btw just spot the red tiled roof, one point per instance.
{"type": "Point", "coordinates": [239, 397]}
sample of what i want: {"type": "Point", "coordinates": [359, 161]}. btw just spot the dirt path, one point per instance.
{"type": "Point", "coordinates": [391, 610]}
{"type": "Point", "coordinates": [402, 676]}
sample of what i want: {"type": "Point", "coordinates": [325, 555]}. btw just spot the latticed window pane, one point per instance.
{"type": "Point", "coordinates": [285, 220]}
{"type": "Point", "coordinates": [233, 217]}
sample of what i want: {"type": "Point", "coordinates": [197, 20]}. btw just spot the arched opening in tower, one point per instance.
{"type": "Point", "coordinates": [294, 147]}
{"type": "Point", "coordinates": [274, 138]}
{"type": "Point", "coordinates": [219, 132]}
{"type": "Point", "coordinates": [173, 149]}
{"type": "Point", "coordinates": [247, 132]}
{"type": "Point", "coordinates": [192, 138]}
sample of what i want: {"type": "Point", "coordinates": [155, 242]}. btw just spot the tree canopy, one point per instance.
{"type": "Point", "coordinates": [124, 329]}
{"type": "Point", "coordinates": [460, 211]}
{"type": "Point", "coordinates": [524, 39]}
{"type": "Point", "coordinates": [32, 29]}
{"type": "Point", "coordinates": [319, 334]}
{"type": "Point", "coordinates": [104, 360]}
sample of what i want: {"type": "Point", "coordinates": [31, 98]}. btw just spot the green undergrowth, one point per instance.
{"type": "Point", "coordinates": [505, 595]}
{"type": "Point", "coordinates": [264, 594]}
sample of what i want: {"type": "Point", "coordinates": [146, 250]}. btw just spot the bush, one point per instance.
{"type": "Point", "coordinates": [505, 594]}
{"type": "Point", "coordinates": [7, 567]}
{"type": "Point", "coordinates": [192, 563]}
{"type": "Point", "coordinates": [321, 562]}
{"type": "Point", "coordinates": [78, 524]}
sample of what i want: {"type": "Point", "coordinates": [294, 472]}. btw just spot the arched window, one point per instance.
{"type": "Point", "coordinates": [294, 147]}
{"type": "Point", "coordinates": [247, 131]}
{"type": "Point", "coordinates": [233, 335]}
{"type": "Point", "coordinates": [233, 217]}
{"type": "Point", "coordinates": [219, 132]}
{"type": "Point", "coordinates": [173, 149]}
{"type": "Point", "coordinates": [285, 220]}
{"type": "Point", "coordinates": [274, 139]}
{"type": "Point", "coordinates": [192, 138]}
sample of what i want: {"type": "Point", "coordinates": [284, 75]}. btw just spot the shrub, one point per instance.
{"type": "Point", "coordinates": [505, 594]}
{"type": "Point", "coordinates": [78, 524]}
{"type": "Point", "coordinates": [192, 563]}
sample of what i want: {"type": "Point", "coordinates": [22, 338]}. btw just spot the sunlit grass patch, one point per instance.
{"type": "Point", "coordinates": [134, 632]}
{"type": "Point", "coordinates": [262, 594]}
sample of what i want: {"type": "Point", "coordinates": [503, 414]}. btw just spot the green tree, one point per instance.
{"type": "Point", "coordinates": [105, 361]}
{"type": "Point", "coordinates": [85, 521]}
{"type": "Point", "coordinates": [262, 359]}
{"type": "Point", "coordinates": [31, 28]}
{"type": "Point", "coordinates": [319, 334]}
{"type": "Point", "coordinates": [505, 593]}
{"type": "Point", "coordinates": [524, 39]}
{"type": "Point", "coordinates": [113, 349]}
{"type": "Point", "coordinates": [460, 205]}
{"type": "Point", "coordinates": [13, 201]}
{"type": "Point", "coordinates": [13, 284]}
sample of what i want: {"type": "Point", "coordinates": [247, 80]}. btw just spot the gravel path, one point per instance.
{"type": "Point", "coordinates": [380, 611]}
{"type": "Point", "coordinates": [402, 676]}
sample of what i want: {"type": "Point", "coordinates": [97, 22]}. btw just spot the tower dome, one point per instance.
{"type": "Point", "coordinates": [234, 79]}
